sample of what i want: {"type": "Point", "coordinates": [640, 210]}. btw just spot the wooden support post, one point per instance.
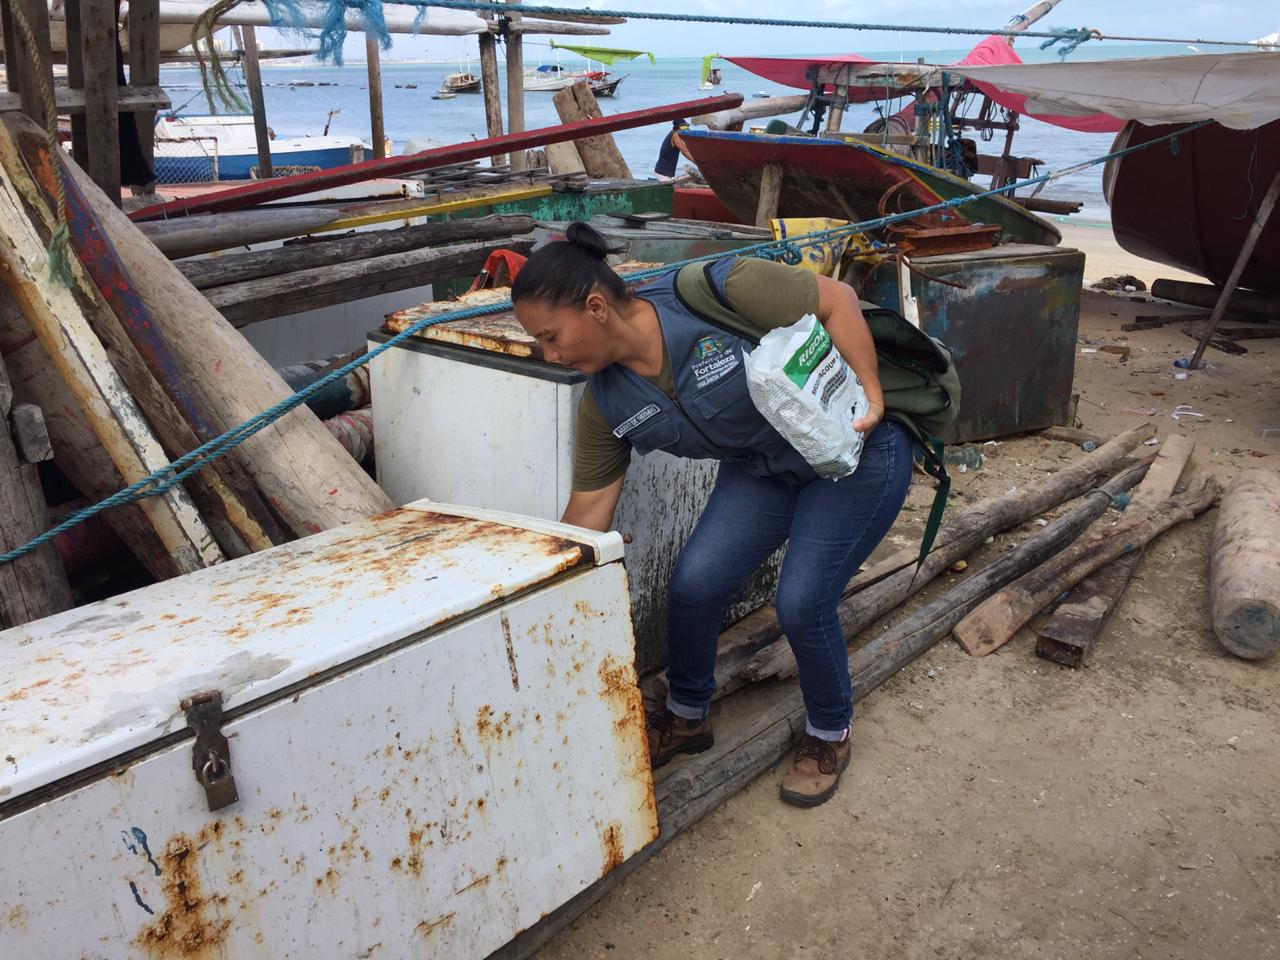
{"type": "Point", "coordinates": [1244, 578]}
{"type": "Point", "coordinates": [515, 87]}
{"type": "Point", "coordinates": [1246, 251]}
{"type": "Point", "coordinates": [144, 69]}
{"type": "Point", "coordinates": [10, 47]}
{"type": "Point", "coordinates": [33, 586]}
{"type": "Point", "coordinates": [599, 154]}
{"type": "Point", "coordinates": [253, 80]}
{"type": "Point", "coordinates": [489, 89]}
{"type": "Point", "coordinates": [102, 119]}
{"type": "Point", "coordinates": [836, 117]}
{"type": "Point", "coordinates": [377, 128]}
{"type": "Point", "coordinates": [75, 80]}
{"type": "Point", "coordinates": [36, 14]}
{"type": "Point", "coordinates": [770, 190]}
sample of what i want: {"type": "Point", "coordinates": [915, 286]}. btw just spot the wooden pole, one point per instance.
{"type": "Point", "coordinates": [19, 66]}
{"type": "Point", "coordinates": [33, 586]}
{"type": "Point", "coordinates": [75, 80]}
{"type": "Point", "coordinates": [144, 68]}
{"type": "Point", "coordinates": [304, 474]}
{"type": "Point", "coordinates": [770, 190]}
{"type": "Point", "coordinates": [253, 80]}
{"type": "Point", "coordinates": [1246, 251]}
{"type": "Point", "coordinates": [515, 87]}
{"type": "Point", "coordinates": [102, 118]}
{"type": "Point", "coordinates": [1244, 575]}
{"type": "Point", "coordinates": [489, 89]}
{"type": "Point", "coordinates": [10, 43]}
{"type": "Point", "coordinates": [377, 128]}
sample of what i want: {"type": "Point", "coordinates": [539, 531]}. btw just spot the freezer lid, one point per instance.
{"type": "Point", "coordinates": [85, 686]}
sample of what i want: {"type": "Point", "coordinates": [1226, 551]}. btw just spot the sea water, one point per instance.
{"type": "Point", "coordinates": [340, 96]}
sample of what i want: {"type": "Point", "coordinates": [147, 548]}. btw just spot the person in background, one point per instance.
{"type": "Point", "coordinates": [661, 377]}
{"type": "Point", "coordinates": [671, 151]}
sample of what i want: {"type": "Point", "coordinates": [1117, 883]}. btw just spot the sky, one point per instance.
{"type": "Point", "coordinates": [1241, 20]}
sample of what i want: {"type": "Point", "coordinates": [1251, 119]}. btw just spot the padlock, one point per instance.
{"type": "Point", "coordinates": [219, 784]}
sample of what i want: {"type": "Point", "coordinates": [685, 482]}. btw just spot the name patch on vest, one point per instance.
{"type": "Point", "coordinates": [635, 420]}
{"type": "Point", "coordinates": [711, 362]}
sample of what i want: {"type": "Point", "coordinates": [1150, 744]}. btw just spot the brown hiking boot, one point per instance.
{"type": "Point", "coordinates": [670, 735]}
{"type": "Point", "coordinates": [815, 771]}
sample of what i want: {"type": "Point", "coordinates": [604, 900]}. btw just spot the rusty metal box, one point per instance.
{"type": "Point", "coordinates": [429, 735]}
{"type": "Point", "coordinates": [1010, 315]}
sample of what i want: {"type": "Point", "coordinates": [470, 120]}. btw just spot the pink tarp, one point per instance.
{"type": "Point", "coordinates": [991, 52]}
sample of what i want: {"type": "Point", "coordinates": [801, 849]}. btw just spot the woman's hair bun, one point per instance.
{"type": "Point", "coordinates": [588, 239]}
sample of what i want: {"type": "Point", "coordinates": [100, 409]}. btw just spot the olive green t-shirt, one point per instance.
{"type": "Point", "coordinates": [765, 295]}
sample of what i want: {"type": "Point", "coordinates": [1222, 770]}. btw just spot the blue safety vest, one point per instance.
{"type": "Point", "coordinates": [712, 416]}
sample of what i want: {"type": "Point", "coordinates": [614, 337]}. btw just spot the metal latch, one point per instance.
{"type": "Point", "coordinates": [211, 754]}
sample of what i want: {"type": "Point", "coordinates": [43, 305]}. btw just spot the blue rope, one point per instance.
{"type": "Point", "coordinates": [787, 250]}
{"type": "Point", "coordinates": [1070, 39]}
{"type": "Point", "coordinates": [503, 10]}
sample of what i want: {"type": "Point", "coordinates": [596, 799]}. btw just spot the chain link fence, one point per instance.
{"type": "Point", "coordinates": [186, 159]}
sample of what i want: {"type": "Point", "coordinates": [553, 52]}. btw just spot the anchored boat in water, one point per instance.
{"type": "Point", "coordinates": [205, 148]}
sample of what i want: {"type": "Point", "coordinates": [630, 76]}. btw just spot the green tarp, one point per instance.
{"type": "Point", "coordinates": [604, 54]}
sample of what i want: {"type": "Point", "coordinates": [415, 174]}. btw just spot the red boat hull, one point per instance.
{"type": "Point", "coordinates": [1192, 208]}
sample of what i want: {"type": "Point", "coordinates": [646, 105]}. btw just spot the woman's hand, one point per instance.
{"type": "Point", "coordinates": [869, 420]}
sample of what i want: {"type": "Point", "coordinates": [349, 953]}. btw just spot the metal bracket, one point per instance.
{"type": "Point", "coordinates": [210, 754]}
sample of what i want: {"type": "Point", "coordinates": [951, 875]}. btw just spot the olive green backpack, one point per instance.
{"type": "Point", "coordinates": [917, 374]}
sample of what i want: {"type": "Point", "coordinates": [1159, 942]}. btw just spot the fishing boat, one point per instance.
{"type": "Point", "coordinates": [603, 86]}
{"type": "Point", "coordinates": [463, 81]}
{"type": "Point", "coordinates": [443, 94]}
{"type": "Point", "coordinates": [549, 78]}
{"type": "Point", "coordinates": [195, 149]}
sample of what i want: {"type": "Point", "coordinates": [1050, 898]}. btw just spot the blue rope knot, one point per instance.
{"type": "Point", "coordinates": [790, 253]}
{"type": "Point", "coordinates": [1069, 38]}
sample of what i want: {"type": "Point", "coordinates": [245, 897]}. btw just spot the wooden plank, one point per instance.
{"type": "Point", "coordinates": [253, 80]}
{"type": "Point", "coordinates": [277, 296]}
{"type": "Point", "coordinates": [75, 80]}
{"type": "Point", "coordinates": [251, 194]}
{"type": "Point", "coordinates": [317, 252]}
{"type": "Point", "coordinates": [1070, 634]}
{"type": "Point", "coordinates": [33, 586]}
{"type": "Point", "coordinates": [377, 127]}
{"type": "Point", "coordinates": [36, 14]}
{"type": "Point", "coordinates": [599, 154]}
{"type": "Point", "coordinates": [57, 320]}
{"type": "Point", "coordinates": [72, 102]}
{"type": "Point", "coordinates": [489, 90]}
{"type": "Point", "coordinates": [306, 476]}
{"type": "Point", "coordinates": [1246, 304]}
{"type": "Point", "coordinates": [30, 433]}
{"type": "Point", "coordinates": [389, 212]}
{"type": "Point", "coordinates": [515, 87]}
{"type": "Point", "coordinates": [77, 451]}
{"type": "Point", "coordinates": [144, 72]}
{"type": "Point", "coordinates": [102, 121]}
{"type": "Point", "coordinates": [770, 191]}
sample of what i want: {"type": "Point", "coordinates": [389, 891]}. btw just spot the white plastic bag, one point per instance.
{"type": "Point", "coordinates": [809, 394]}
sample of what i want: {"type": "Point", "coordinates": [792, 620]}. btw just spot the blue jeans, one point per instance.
{"type": "Point", "coordinates": [832, 527]}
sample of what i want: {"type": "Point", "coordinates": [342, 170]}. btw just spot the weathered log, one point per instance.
{"type": "Point", "coordinates": [1001, 615]}
{"type": "Point", "coordinates": [884, 586]}
{"type": "Point", "coordinates": [1069, 635]}
{"type": "Point", "coordinates": [323, 251]}
{"type": "Point", "coordinates": [752, 110]}
{"type": "Point", "coordinates": [33, 586]}
{"type": "Point", "coordinates": [58, 321]}
{"type": "Point", "coordinates": [205, 233]}
{"type": "Point", "coordinates": [600, 154]}
{"type": "Point", "coordinates": [239, 518]}
{"type": "Point", "coordinates": [76, 449]}
{"type": "Point", "coordinates": [256, 300]}
{"type": "Point", "coordinates": [1243, 302]}
{"type": "Point", "coordinates": [306, 476]}
{"type": "Point", "coordinates": [1244, 574]}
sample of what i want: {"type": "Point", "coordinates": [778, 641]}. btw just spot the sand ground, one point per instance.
{"type": "Point", "coordinates": [1007, 807]}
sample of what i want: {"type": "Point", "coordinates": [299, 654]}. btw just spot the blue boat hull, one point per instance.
{"type": "Point", "coordinates": [235, 166]}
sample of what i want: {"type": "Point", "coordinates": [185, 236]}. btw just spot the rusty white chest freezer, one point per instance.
{"type": "Point", "coordinates": [470, 412]}
{"type": "Point", "coordinates": [408, 737]}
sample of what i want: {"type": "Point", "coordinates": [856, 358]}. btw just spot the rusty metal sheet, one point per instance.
{"type": "Point", "coordinates": [91, 684]}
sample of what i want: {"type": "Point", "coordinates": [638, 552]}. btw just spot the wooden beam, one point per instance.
{"type": "Point", "coordinates": [33, 586]}
{"type": "Point", "coordinates": [60, 324]}
{"type": "Point", "coordinates": [770, 191]}
{"type": "Point", "coordinates": [204, 233]}
{"type": "Point", "coordinates": [72, 102]}
{"type": "Point", "coordinates": [253, 80]}
{"type": "Point", "coordinates": [306, 476]}
{"type": "Point", "coordinates": [515, 86]}
{"type": "Point", "coordinates": [75, 81]}
{"type": "Point", "coordinates": [144, 70]}
{"type": "Point", "coordinates": [289, 293]}
{"type": "Point", "coordinates": [489, 89]}
{"type": "Point", "coordinates": [251, 194]}
{"type": "Point", "coordinates": [36, 14]}
{"type": "Point", "coordinates": [599, 155]}
{"type": "Point", "coordinates": [10, 43]}
{"type": "Point", "coordinates": [209, 272]}
{"type": "Point", "coordinates": [1242, 258]}
{"type": "Point", "coordinates": [98, 49]}
{"type": "Point", "coordinates": [377, 128]}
